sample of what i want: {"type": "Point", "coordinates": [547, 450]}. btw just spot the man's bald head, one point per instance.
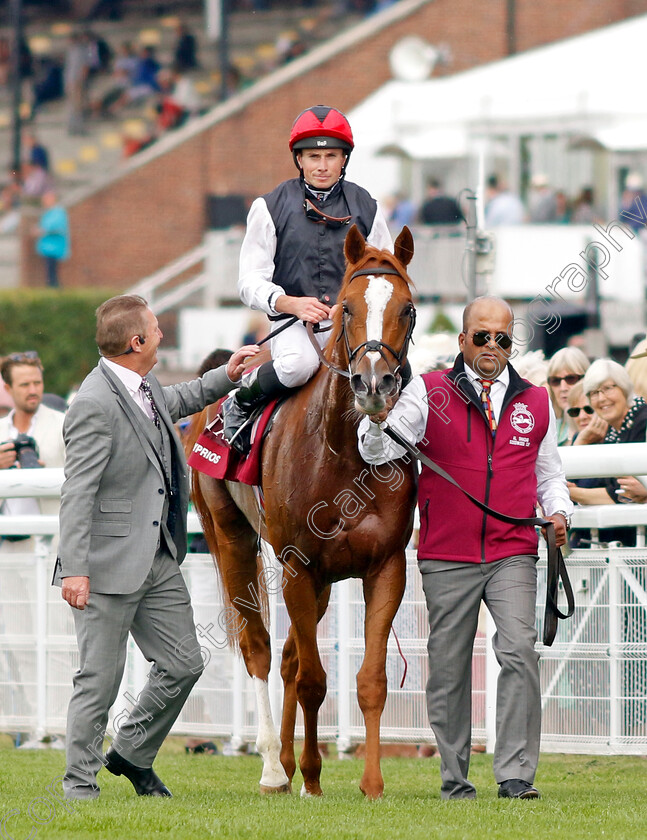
{"type": "Point", "coordinates": [487, 318]}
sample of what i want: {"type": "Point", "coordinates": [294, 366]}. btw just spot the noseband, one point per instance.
{"type": "Point", "coordinates": [372, 346]}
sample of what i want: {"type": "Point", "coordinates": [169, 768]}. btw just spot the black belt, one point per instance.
{"type": "Point", "coordinates": [556, 566]}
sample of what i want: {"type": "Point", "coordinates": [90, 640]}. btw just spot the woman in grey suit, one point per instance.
{"type": "Point", "coordinates": [122, 537]}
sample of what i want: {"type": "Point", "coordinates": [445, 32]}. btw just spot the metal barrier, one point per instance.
{"type": "Point", "coordinates": [594, 677]}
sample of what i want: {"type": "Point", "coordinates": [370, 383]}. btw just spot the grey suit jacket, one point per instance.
{"type": "Point", "coordinates": [113, 496]}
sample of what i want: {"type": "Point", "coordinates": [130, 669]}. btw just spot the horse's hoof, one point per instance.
{"type": "Point", "coordinates": [309, 794]}
{"type": "Point", "coordinates": [374, 796]}
{"type": "Point", "coordinates": [286, 788]}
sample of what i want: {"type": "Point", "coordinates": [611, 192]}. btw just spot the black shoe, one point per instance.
{"type": "Point", "coordinates": [144, 779]}
{"type": "Point", "coordinates": [517, 789]}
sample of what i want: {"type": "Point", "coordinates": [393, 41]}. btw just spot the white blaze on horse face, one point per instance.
{"type": "Point", "coordinates": [377, 295]}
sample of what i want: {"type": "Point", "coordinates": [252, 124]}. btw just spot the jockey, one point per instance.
{"type": "Point", "coordinates": [292, 257]}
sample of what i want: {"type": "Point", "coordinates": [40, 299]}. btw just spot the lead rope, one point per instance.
{"type": "Point", "coordinates": [556, 568]}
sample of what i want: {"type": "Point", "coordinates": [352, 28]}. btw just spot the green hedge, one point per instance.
{"type": "Point", "coordinates": [59, 325]}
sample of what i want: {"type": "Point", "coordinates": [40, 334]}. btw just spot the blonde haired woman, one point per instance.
{"type": "Point", "coordinates": [565, 369]}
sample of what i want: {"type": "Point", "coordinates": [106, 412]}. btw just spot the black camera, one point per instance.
{"type": "Point", "coordinates": [26, 452]}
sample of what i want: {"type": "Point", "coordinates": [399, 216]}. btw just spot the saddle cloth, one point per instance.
{"type": "Point", "coordinates": [212, 455]}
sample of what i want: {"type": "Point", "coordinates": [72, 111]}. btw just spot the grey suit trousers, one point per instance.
{"type": "Point", "coordinates": [454, 592]}
{"type": "Point", "coordinates": [160, 618]}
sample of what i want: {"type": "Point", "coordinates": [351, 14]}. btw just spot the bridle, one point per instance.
{"type": "Point", "coordinates": [372, 346]}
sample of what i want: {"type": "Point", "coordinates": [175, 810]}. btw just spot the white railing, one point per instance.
{"type": "Point", "coordinates": [594, 677]}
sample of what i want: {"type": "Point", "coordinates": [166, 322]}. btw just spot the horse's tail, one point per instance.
{"type": "Point", "coordinates": [234, 622]}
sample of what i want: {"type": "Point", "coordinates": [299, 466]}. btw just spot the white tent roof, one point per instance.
{"type": "Point", "coordinates": [589, 85]}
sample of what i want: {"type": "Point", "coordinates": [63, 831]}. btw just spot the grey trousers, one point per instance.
{"type": "Point", "coordinates": [454, 592]}
{"type": "Point", "coordinates": [160, 618]}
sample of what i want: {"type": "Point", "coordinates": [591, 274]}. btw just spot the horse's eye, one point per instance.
{"type": "Point", "coordinates": [344, 309]}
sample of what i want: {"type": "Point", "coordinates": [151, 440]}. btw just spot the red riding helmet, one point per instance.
{"type": "Point", "coordinates": [321, 127]}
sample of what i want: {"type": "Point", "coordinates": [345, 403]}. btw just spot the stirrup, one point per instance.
{"type": "Point", "coordinates": [239, 434]}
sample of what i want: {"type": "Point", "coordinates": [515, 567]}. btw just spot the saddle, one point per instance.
{"type": "Point", "coordinates": [212, 454]}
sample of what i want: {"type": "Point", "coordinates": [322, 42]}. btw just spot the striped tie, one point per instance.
{"type": "Point", "coordinates": [487, 402]}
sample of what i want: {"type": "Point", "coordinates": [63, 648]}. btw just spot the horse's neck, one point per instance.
{"type": "Point", "coordinates": [338, 427]}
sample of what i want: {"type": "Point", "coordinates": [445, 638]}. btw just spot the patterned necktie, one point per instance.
{"type": "Point", "coordinates": [146, 388]}
{"type": "Point", "coordinates": [487, 403]}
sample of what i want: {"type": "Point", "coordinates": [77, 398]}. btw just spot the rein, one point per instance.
{"type": "Point", "coordinates": [556, 566]}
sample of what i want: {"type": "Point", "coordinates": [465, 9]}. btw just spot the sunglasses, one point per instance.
{"type": "Point", "coordinates": [570, 379]}
{"type": "Point", "coordinates": [28, 355]}
{"type": "Point", "coordinates": [316, 215]}
{"type": "Point", "coordinates": [575, 412]}
{"type": "Point", "coordinates": [482, 338]}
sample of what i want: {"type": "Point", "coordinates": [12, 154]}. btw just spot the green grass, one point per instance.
{"type": "Point", "coordinates": [583, 797]}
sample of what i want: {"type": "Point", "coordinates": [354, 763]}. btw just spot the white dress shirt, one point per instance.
{"type": "Point", "coordinates": [131, 380]}
{"type": "Point", "coordinates": [409, 419]}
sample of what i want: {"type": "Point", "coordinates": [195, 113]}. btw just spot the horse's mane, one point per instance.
{"type": "Point", "coordinates": [371, 255]}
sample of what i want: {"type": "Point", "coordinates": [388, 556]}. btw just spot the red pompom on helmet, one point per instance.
{"type": "Point", "coordinates": [321, 127]}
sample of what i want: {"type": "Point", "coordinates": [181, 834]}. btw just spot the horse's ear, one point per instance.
{"type": "Point", "coordinates": [403, 249]}
{"type": "Point", "coordinates": [354, 245]}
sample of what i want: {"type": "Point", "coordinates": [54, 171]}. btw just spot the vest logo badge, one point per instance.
{"type": "Point", "coordinates": [521, 419]}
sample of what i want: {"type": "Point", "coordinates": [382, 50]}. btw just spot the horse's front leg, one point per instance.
{"type": "Point", "coordinates": [289, 668]}
{"type": "Point", "coordinates": [302, 601]}
{"type": "Point", "coordinates": [383, 593]}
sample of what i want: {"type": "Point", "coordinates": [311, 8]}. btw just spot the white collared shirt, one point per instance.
{"type": "Point", "coordinates": [131, 381]}
{"type": "Point", "coordinates": [19, 506]}
{"type": "Point", "coordinates": [409, 418]}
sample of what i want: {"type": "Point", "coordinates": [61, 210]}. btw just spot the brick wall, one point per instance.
{"type": "Point", "coordinates": [153, 214]}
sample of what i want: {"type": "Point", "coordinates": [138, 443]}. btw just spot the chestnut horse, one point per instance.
{"type": "Point", "coordinates": [327, 516]}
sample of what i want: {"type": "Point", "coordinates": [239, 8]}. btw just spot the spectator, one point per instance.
{"type": "Point", "coordinates": [36, 181]}
{"type": "Point", "coordinates": [47, 83]}
{"type": "Point", "coordinates": [585, 426]}
{"type": "Point", "coordinates": [438, 208]}
{"type": "Point", "coordinates": [76, 74]}
{"type": "Point", "coordinates": [633, 204]}
{"type": "Point", "coordinates": [532, 366]}
{"type": "Point", "coordinates": [53, 242]}
{"type": "Point", "coordinates": [565, 368]}
{"type": "Point", "coordinates": [610, 392]}
{"type": "Point", "coordinates": [563, 208]}
{"type": "Point", "coordinates": [584, 212]}
{"type": "Point", "coordinates": [36, 153]}
{"type": "Point", "coordinates": [185, 55]}
{"type": "Point", "coordinates": [144, 80]}
{"type": "Point", "coordinates": [22, 374]}
{"type": "Point", "coordinates": [542, 205]}
{"type": "Point", "coordinates": [403, 211]}
{"type": "Point", "coordinates": [123, 73]}
{"type": "Point", "coordinates": [503, 207]}
{"type": "Point", "coordinates": [178, 99]}
{"type": "Point", "coordinates": [636, 367]}
{"type": "Point", "coordinates": [5, 60]}
{"type": "Point", "coordinates": [11, 191]}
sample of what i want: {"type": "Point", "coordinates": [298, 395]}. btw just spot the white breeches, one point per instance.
{"type": "Point", "coordinates": [295, 359]}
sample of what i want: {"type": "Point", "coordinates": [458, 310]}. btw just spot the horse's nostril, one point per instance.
{"type": "Point", "coordinates": [388, 385]}
{"type": "Point", "coordinates": [357, 384]}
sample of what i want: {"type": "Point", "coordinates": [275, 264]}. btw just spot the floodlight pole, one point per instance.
{"type": "Point", "coordinates": [224, 50]}
{"type": "Point", "coordinates": [16, 82]}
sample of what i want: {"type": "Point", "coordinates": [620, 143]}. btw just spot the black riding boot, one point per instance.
{"type": "Point", "coordinates": [262, 385]}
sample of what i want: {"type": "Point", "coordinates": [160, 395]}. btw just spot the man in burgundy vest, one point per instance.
{"type": "Point", "coordinates": [495, 434]}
